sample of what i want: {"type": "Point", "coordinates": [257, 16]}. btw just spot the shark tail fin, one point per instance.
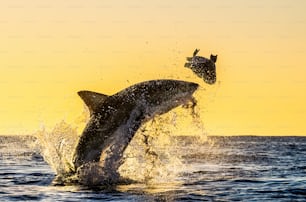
{"type": "Point", "coordinates": [92, 99]}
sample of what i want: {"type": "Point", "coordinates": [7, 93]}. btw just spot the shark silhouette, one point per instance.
{"type": "Point", "coordinates": [115, 119]}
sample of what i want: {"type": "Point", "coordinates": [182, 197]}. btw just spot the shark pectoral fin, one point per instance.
{"type": "Point", "coordinates": [92, 99]}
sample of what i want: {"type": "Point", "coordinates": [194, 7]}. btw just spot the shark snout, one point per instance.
{"type": "Point", "coordinates": [192, 87]}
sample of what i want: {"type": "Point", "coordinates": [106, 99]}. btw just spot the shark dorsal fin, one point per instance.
{"type": "Point", "coordinates": [92, 99]}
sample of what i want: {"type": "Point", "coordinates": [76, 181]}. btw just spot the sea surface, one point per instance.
{"type": "Point", "coordinates": [246, 168]}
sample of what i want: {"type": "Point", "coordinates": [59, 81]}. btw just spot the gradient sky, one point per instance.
{"type": "Point", "coordinates": [52, 49]}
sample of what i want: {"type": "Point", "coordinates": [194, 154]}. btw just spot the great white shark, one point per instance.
{"type": "Point", "coordinates": [115, 119]}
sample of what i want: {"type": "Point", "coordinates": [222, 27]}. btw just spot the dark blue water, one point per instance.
{"type": "Point", "coordinates": [219, 169]}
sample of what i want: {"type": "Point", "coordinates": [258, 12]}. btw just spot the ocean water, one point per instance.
{"type": "Point", "coordinates": [247, 168]}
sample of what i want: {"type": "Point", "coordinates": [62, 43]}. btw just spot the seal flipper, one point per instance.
{"type": "Point", "coordinates": [92, 99]}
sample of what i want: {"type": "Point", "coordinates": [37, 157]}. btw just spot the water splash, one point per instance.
{"type": "Point", "coordinates": [57, 146]}
{"type": "Point", "coordinates": [153, 156]}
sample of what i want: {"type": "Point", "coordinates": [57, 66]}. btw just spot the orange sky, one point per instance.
{"type": "Point", "coordinates": [52, 49]}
